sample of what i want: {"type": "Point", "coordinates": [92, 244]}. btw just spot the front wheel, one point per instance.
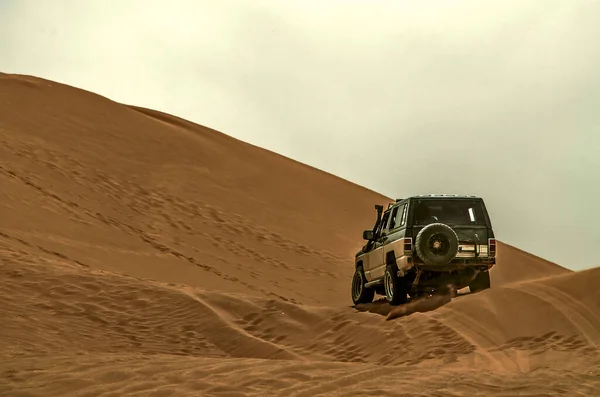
{"type": "Point", "coordinates": [396, 291]}
{"type": "Point", "coordinates": [360, 293]}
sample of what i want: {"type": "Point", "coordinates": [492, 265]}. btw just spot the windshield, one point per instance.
{"type": "Point", "coordinates": [451, 212]}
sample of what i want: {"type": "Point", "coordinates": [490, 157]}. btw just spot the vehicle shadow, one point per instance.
{"type": "Point", "coordinates": [420, 305]}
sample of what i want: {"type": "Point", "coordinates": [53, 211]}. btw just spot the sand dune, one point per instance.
{"type": "Point", "coordinates": [141, 254]}
{"type": "Point", "coordinates": [515, 265]}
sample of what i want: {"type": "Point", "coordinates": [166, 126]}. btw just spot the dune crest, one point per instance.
{"type": "Point", "coordinates": [142, 254]}
{"type": "Point", "coordinates": [516, 265]}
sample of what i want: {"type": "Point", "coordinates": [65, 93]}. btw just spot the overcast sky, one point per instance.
{"type": "Point", "coordinates": [493, 98]}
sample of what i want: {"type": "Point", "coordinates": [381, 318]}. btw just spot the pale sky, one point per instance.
{"type": "Point", "coordinates": [499, 99]}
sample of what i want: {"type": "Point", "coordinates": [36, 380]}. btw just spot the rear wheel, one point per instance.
{"type": "Point", "coordinates": [360, 293]}
{"type": "Point", "coordinates": [396, 291]}
{"type": "Point", "coordinates": [480, 282]}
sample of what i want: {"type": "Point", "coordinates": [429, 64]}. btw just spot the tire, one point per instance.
{"type": "Point", "coordinates": [436, 244]}
{"type": "Point", "coordinates": [480, 282]}
{"type": "Point", "coordinates": [360, 293]}
{"type": "Point", "coordinates": [396, 290]}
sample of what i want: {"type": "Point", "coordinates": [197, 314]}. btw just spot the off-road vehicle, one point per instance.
{"type": "Point", "coordinates": [425, 245]}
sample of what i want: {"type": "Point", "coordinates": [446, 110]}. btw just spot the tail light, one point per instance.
{"type": "Point", "coordinates": [408, 244]}
{"type": "Point", "coordinates": [492, 246]}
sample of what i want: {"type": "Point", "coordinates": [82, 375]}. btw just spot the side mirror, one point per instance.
{"type": "Point", "coordinates": [368, 235]}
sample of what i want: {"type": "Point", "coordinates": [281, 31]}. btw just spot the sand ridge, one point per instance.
{"type": "Point", "coordinates": [141, 254]}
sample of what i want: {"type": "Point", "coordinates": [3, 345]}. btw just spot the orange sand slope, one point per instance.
{"type": "Point", "coordinates": [515, 265]}
{"type": "Point", "coordinates": [143, 255]}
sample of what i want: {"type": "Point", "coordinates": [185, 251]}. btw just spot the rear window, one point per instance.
{"type": "Point", "coordinates": [451, 212]}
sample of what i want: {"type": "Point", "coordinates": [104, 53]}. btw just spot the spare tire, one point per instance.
{"type": "Point", "coordinates": [436, 244]}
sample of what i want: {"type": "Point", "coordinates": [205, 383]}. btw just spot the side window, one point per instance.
{"type": "Point", "coordinates": [384, 222]}
{"type": "Point", "coordinates": [394, 221]}
{"type": "Point", "coordinates": [404, 211]}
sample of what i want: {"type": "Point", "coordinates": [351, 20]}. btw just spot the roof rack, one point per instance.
{"type": "Point", "coordinates": [445, 195]}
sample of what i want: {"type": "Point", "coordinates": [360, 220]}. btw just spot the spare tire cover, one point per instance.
{"type": "Point", "coordinates": [437, 244]}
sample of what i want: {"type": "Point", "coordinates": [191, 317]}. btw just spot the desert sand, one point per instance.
{"type": "Point", "coordinates": [144, 255]}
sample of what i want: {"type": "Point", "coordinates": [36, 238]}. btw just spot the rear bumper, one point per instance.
{"type": "Point", "coordinates": [406, 262]}
{"type": "Point", "coordinates": [489, 261]}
